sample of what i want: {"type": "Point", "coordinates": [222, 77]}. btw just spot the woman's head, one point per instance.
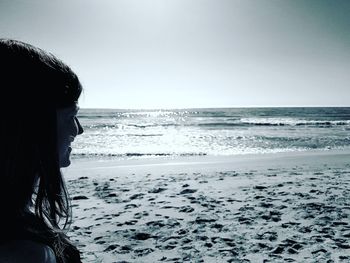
{"type": "Point", "coordinates": [35, 77]}
{"type": "Point", "coordinates": [36, 87]}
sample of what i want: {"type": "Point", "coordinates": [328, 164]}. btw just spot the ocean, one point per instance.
{"type": "Point", "coordinates": [215, 131]}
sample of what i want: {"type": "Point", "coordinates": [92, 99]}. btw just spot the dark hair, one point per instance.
{"type": "Point", "coordinates": [34, 84]}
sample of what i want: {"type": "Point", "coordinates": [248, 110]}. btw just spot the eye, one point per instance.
{"type": "Point", "coordinates": [71, 117]}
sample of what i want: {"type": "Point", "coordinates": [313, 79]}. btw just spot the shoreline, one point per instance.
{"type": "Point", "coordinates": [209, 163]}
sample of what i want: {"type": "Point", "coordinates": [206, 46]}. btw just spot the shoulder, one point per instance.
{"type": "Point", "coordinates": [21, 251]}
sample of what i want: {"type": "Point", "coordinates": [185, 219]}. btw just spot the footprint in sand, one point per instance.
{"type": "Point", "coordinates": [130, 206]}
{"type": "Point", "coordinates": [141, 214]}
{"type": "Point", "coordinates": [136, 196]}
{"type": "Point", "coordinates": [188, 191]}
{"type": "Point", "coordinates": [157, 190]}
{"type": "Point", "coordinates": [186, 209]}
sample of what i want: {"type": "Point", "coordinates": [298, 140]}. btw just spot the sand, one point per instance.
{"type": "Point", "coordinates": [290, 207]}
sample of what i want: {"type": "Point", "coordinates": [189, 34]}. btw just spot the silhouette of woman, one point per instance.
{"type": "Point", "coordinates": [38, 106]}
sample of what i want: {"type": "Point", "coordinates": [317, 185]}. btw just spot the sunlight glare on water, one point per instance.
{"type": "Point", "coordinates": [139, 133]}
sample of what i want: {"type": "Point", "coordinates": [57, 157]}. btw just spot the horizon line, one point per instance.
{"type": "Point", "coordinates": [230, 107]}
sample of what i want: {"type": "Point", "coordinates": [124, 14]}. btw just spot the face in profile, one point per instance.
{"type": "Point", "coordinates": [68, 127]}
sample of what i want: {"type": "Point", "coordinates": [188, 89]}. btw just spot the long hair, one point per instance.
{"type": "Point", "coordinates": [33, 85]}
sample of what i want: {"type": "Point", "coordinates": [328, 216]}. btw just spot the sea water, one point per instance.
{"type": "Point", "coordinates": [219, 131]}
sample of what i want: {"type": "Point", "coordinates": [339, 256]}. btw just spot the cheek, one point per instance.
{"type": "Point", "coordinates": [74, 129]}
{"type": "Point", "coordinates": [71, 127]}
{"type": "Point", "coordinates": [62, 137]}
{"type": "Point", "coordinates": [62, 145]}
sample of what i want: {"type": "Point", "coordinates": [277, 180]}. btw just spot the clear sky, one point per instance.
{"type": "Point", "coordinates": [194, 53]}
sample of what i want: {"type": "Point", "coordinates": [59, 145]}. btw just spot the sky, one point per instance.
{"type": "Point", "coordinates": [150, 54]}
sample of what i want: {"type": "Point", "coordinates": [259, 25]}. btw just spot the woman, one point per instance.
{"type": "Point", "coordinates": [38, 104]}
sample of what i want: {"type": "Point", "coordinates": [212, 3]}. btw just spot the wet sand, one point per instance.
{"type": "Point", "coordinates": [290, 207]}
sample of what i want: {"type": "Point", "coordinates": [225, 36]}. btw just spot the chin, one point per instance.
{"type": "Point", "coordinates": [65, 162]}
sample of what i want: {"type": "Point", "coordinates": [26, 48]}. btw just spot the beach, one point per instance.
{"type": "Point", "coordinates": [276, 207]}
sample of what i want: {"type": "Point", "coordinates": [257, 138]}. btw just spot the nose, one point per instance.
{"type": "Point", "coordinates": [80, 128]}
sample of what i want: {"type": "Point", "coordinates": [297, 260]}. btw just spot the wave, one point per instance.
{"type": "Point", "coordinates": [293, 122]}
{"type": "Point", "coordinates": [88, 116]}
{"type": "Point", "coordinates": [220, 125]}
{"type": "Point", "coordinates": [144, 135]}
{"type": "Point", "coordinates": [87, 155]}
{"type": "Point", "coordinates": [320, 124]}
{"type": "Point", "coordinates": [302, 142]}
{"type": "Point", "coordinates": [153, 125]}
{"type": "Point", "coordinates": [117, 126]}
{"type": "Point", "coordinates": [100, 126]}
